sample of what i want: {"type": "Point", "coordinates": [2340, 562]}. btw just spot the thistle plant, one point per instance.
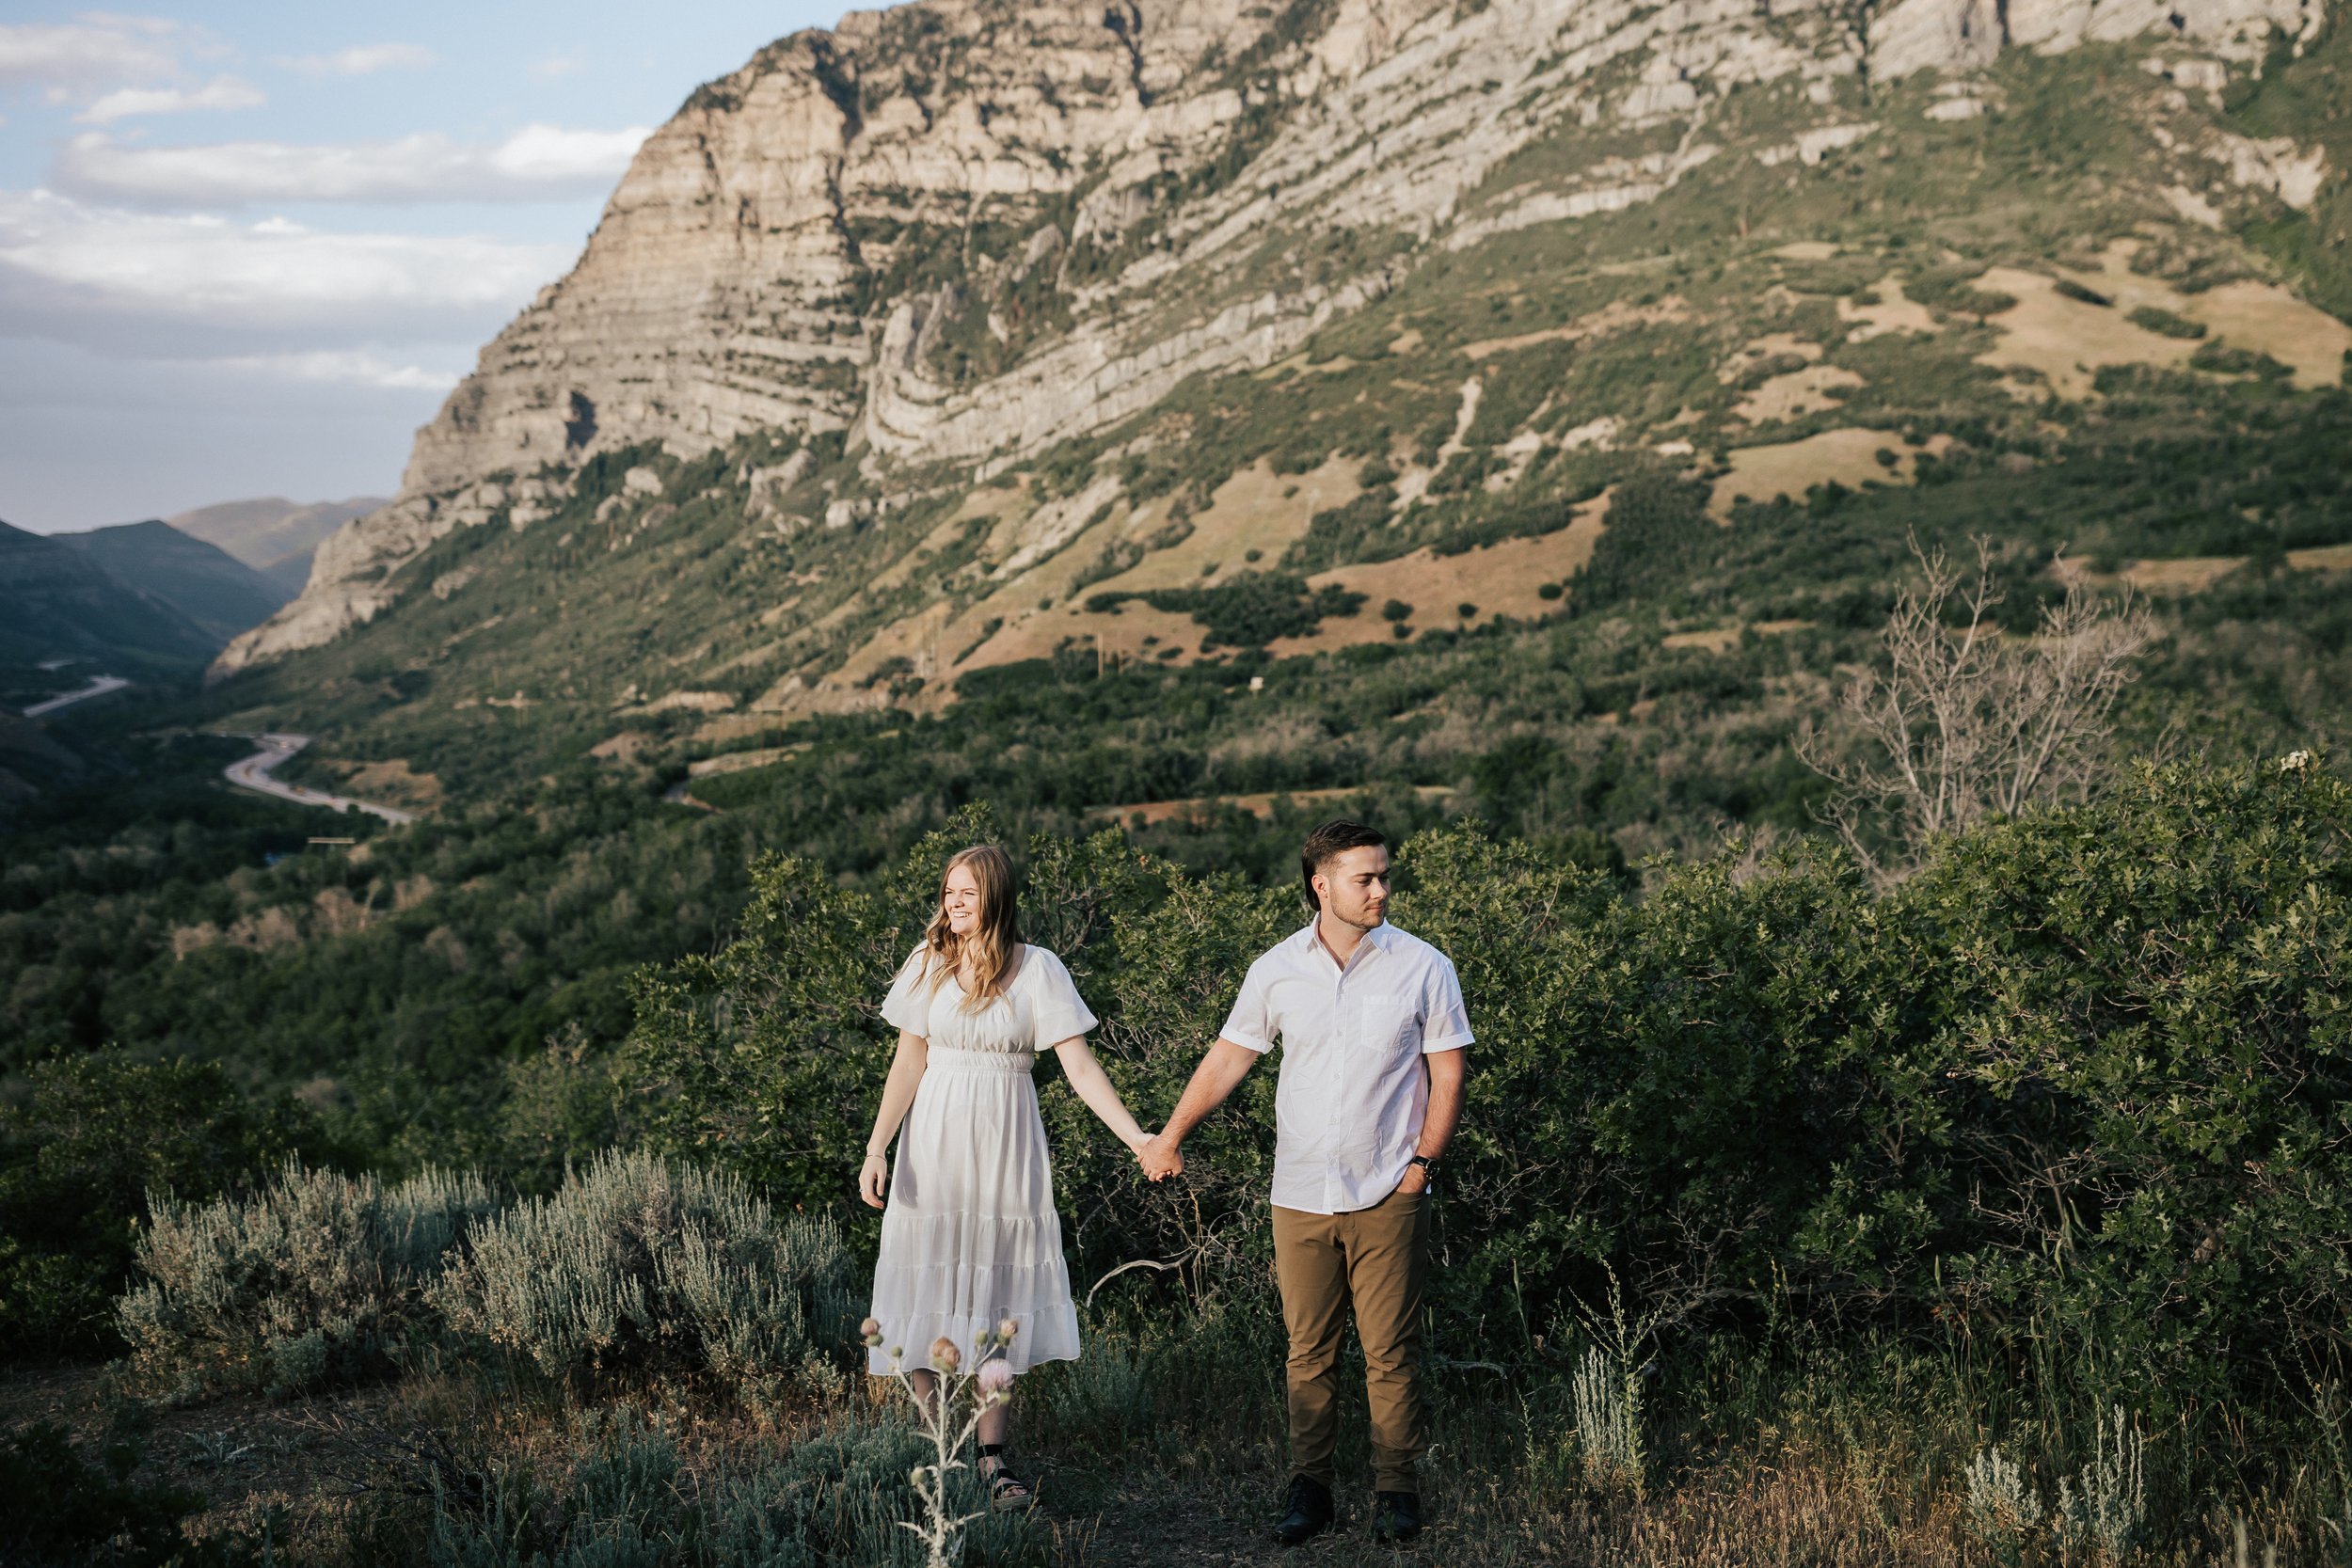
{"type": "Point", "coordinates": [989, 1384]}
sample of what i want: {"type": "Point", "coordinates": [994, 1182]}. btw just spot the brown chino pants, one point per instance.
{"type": "Point", "coordinates": [1378, 1259]}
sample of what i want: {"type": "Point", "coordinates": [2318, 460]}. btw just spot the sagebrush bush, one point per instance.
{"type": "Point", "coordinates": [637, 1268]}
{"type": "Point", "coordinates": [312, 1278]}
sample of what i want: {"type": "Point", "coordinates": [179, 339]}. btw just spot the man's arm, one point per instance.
{"type": "Point", "coordinates": [1445, 1115]}
{"type": "Point", "coordinates": [1225, 1065]}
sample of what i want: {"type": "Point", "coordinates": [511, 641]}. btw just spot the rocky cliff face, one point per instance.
{"type": "Point", "coordinates": [960, 232]}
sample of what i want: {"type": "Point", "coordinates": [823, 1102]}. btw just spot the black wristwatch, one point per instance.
{"type": "Point", "coordinates": [1428, 1170]}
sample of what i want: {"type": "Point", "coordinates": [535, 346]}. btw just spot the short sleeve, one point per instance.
{"type": "Point", "coordinates": [908, 1004]}
{"type": "Point", "coordinates": [1247, 1025]}
{"type": "Point", "coordinates": [1445, 1022]}
{"type": "Point", "coordinates": [1056, 1010]}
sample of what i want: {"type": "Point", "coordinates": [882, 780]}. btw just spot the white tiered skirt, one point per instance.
{"type": "Point", "coordinates": [970, 1236]}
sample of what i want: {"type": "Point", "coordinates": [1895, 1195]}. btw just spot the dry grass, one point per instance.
{"type": "Point", "coordinates": [2067, 340]}
{"type": "Point", "coordinates": [1847, 457]}
{"type": "Point", "coordinates": [1793, 396]}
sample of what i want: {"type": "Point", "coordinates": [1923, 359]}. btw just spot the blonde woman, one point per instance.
{"type": "Point", "coordinates": [969, 1235]}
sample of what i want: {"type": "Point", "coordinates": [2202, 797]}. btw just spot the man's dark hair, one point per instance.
{"type": "Point", "coordinates": [1335, 837]}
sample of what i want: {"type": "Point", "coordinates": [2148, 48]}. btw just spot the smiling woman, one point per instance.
{"type": "Point", "coordinates": [378, 207]}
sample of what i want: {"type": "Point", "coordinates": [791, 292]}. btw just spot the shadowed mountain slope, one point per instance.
{"type": "Point", "coordinates": [56, 602]}
{"type": "Point", "coordinates": [219, 593]}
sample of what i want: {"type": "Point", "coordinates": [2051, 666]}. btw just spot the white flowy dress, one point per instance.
{"type": "Point", "coordinates": [969, 1236]}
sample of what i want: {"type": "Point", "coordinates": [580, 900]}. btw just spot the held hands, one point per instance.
{"type": "Point", "coordinates": [1161, 1158]}
{"type": "Point", "coordinates": [873, 1180]}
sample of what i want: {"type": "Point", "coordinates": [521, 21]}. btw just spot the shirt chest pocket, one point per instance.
{"type": "Point", "coordinates": [1387, 1022]}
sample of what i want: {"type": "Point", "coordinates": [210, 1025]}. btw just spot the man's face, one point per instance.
{"type": "Point", "coordinates": [1354, 886]}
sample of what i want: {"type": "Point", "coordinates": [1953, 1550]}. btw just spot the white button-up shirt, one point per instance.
{"type": "Point", "coordinates": [1353, 1093]}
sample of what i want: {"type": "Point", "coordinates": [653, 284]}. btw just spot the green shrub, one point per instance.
{"type": "Point", "coordinates": [1248, 610]}
{"type": "Point", "coordinates": [71, 1511]}
{"type": "Point", "coordinates": [314, 1279]}
{"type": "Point", "coordinates": [80, 1149]}
{"type": "Point", "coordinates": [2085, 1056]}
{"type": "Point", "coordinates": [636, 1268]}
{"type": "Point", "coordinates": [1658, 532]}
{"type": "Point", "coordinates": [2154, 318]}
{"type": "Point", "coordinates": [2220, 358]}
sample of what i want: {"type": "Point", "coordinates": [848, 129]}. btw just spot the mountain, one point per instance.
{"type": "Point", "coordinates": [973, 334]}
{"type": "Point", "coordinates": [219, 593]}
{"type": "Point", "coordinates": [56, 602]}
{"type": "Point", "coordinates": [273, 536]}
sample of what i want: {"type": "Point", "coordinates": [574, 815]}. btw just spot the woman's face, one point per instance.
{"type": "Point", "coordinates": [960, 901]}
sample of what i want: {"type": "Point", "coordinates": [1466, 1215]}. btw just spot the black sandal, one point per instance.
{"type": "Point", "coordinates": [1007, 1492]}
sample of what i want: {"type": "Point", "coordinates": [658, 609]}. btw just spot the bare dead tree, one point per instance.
{"type": "Point", "coordinates": [1964, 722]}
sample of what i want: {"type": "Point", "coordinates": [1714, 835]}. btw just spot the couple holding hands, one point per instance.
{"type": "Point", "coordinates": [1372, 1026]}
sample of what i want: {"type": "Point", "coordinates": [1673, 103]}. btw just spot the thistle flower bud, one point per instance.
{"type": "Point", "coordinates": [997, 1377]}
{"type": "Point", "coordinates": [870, 1332]}
{"type": "Point", "coordinates": [916, 1475]}
{"type": "Point", "coordinates": [1007, 1328]}
{"type": "Point", "coordinates": [944, 1356]}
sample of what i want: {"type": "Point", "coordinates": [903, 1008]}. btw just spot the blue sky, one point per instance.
{"type": "Point", "coordinates": [245, 249]}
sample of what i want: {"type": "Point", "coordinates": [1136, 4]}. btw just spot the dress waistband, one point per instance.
{"type": "Point", "coordinates": [947, 1058]}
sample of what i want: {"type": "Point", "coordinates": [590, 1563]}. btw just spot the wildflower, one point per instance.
{"type": "Point", "coordinates": [997, 1377]}
{"type": "Point", "coordinates": [1007, 1328]}
{"type": "Point", "coordinates": [917, 1475]}
{"type": "Point", "coordinates": [869, 1331]}
{"type": "Point", "coordinates": [2294, 762]}
{"type": "Point", "coordinates": [944, 1356]}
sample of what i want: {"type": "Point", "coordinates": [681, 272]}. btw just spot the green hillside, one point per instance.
{"type": "Point", "coordinates": [57, 603]}
{"type": "Point", "coordinates": [211, 587]}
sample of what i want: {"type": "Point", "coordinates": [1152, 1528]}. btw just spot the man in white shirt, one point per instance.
{"type": "Point", "coordinates": [1373, 1026]}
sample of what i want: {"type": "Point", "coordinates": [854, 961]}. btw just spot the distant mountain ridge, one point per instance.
{"type": "Point", "coordinates": [273, 536]}
{"type": "Point", "coordinates": [221, 594]}
{"type": "Point", "coordinates": [56, 601]}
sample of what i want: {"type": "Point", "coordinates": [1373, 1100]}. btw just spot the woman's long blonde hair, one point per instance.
{"type": "Point", "coordinates": [993, 945]}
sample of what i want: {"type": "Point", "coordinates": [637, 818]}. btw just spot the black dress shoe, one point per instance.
{"type": "Point", "coordinates": [1307, 1512]}
{"type": "Point", "coordinates": [1395, 1515]}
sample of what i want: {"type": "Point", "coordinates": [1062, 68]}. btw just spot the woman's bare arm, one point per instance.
{"type": "Point", "coordinates": [1093, 1084]}
{"type": "Point", "coordinates": [906, 1076]}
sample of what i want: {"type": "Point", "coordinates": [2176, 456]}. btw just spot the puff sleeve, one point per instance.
{"type": "Point", "coordinates": [1056, 1010]}
{"type": "Point", "coordinates": [908, 1004]}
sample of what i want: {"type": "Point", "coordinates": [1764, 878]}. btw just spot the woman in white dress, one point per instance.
{"type": "Point", "coordinates": [969, 1234]}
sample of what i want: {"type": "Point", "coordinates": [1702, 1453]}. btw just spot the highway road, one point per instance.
{"type": "Point", "coordinates": [253, 773]}
{"type": "Point", "coordinates": [98, 687]}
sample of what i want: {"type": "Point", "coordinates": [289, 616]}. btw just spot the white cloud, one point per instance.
{"type": "Point", "coordinates": [140, 282]}
{"type": "Point", "coordinates": [363, 60]}
{"type": "Point", "coordinates": [537, 162]}
{"type": "Point", "coordinates": [350, 366]}
{"type": "Point", "coordinates": [93, 52]}
{"type": "Point", "coordinates": [221, 93]}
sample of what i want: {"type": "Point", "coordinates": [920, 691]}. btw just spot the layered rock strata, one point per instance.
{"type": "Point", "coordinates": [791, 253]}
